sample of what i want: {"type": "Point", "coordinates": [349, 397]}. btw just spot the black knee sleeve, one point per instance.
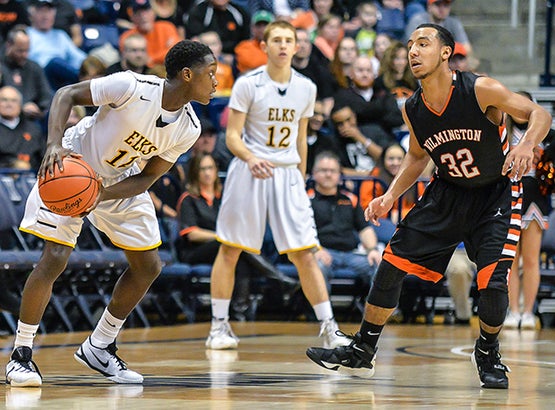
{"type": "Point", "coordinates": [492, 306]}
{"type": "Point", "coordinates": [386, 287]}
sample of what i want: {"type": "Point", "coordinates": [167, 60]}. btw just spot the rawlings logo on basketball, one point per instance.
{"type": "Point", "coordinates": [71, 192]}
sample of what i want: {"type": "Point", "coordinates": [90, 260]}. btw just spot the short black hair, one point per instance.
{"type": "Point", "coordinates": [443, 34]}
{"type": "Point", "coordinates": [186, 53]}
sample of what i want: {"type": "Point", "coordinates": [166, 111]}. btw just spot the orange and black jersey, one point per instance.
{"type": "Point", "coordinates": [467, 148]}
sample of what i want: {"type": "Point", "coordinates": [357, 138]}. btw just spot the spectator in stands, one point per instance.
{"type": "Point", "coordinates": [319, 137]}
{"type": "Point", "coordinates": [395, 74]}
{"type": "Point", "coordinates": [460, 274]}
{"type": "Point", "coordinates": [367, 13]}
{"type": "Point", "coordinates": [21, 139]}
{"type": "Point", "coordinates": [160, 35]}
{"type": "Point", "coordinates": [328, 35]}
{"type": "Point", "coordinates": [133, 56]}
{"type": "Point", "coordinates": [377, 110]}
{"type": "Point", "coordinates": [25, 75]}
{"type": "Point", "coordinates": [305, 63]}
{"type": "Point", "coordinates": [52, 48]}
{"type": "Point", "coordinates": [198, 209]}
{"type": "Point", "coordinates": [340, 224]}
{"type": "Point", "coordinates": [392, 20]}
{"type": "Point", "coordinates": [12, 13]}
{"type": "Point", "coordinates": [293, 11]}
{"type": "Point", "coordinates": [231, 22]}
{"type": "Point", "coordinates": [358, 153]}
{"type": "Point", "coordinates": [534, 216]}
{"type": "Point", "coordinates": [90, 12]}
{"type": "Point", "coordinates": [248, 53]}
{"type": "Point", "coordinates": [382, 42]}
{"type": "Point", "coordinates": [67, 20]}
{"type": "Point", "coordinates": [170, 10]}
{"type": "Point", "coordinates": [459, 60]}
{"type": "Point", "coordinates": [341, 65]}
{"type": "Point", "coordinates": [91, 67]}
{"type": "Point", "coordinates": [439, 13]}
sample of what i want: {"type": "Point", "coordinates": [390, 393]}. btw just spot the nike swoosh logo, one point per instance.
{"type": "Point", "coordinates": [358, 348]}
{"type": "Point", "coordinates": [110, 323]}
{"type": "Point", "coordinates": [258, 85]}
{"type": "Point", "coordinates": [143, 98]}
{"type": "Point", "coordinates": [104, 364]}
{"type": "Point", "coordinates": [482, 351]}
{"type": "Point", "coordinates": [373, 333]}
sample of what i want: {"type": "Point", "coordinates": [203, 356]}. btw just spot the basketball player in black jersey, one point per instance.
{"type": "Point", "coordinates": [474, 197]}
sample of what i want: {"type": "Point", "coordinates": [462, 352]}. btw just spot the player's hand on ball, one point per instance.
{"type": "Point", "coordinates": [53, 156]}
{"type": "Point", "coordinates": [97, 200]}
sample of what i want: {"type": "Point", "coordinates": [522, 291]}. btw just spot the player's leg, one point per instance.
{"type": "Point", "coordinates": [314, 287]}
{"type": "Point", "coordinates": [21, 370]}
{"type": "Point", "coordinates": [492, 242]}
{"type": "Point", "coordinates": [222, 280]}
{"type": "Point", "coordinates": [531, 242]}
{"type": "Point", "coordinates": [98, 352]}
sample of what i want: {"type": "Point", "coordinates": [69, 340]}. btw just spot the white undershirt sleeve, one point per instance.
{"type": "Point", "coordinates": [114, 89]}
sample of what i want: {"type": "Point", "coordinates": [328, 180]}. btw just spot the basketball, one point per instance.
{"type": "Point", "coordinates": [71, 192]}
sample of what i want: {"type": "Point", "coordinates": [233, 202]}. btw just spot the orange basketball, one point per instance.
{"type": "Point", "coordinates": [72, 191]}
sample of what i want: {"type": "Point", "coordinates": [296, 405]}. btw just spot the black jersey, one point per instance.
{"type": "Point", "coordinates": [467, 148]}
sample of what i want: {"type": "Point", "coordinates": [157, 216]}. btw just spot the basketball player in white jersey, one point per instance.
{"type": "Point", "coordinates": [140, 118]}
{"type": "Point", "coordinates": [269, 112]}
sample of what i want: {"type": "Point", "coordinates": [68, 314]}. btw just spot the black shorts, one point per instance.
{"type": "Point", "coordinates": [486, 219]}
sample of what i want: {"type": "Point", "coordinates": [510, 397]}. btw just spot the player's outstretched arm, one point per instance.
{"type": "Point", "coordinates": [491, 93]}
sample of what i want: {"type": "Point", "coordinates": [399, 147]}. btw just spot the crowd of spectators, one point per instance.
{"type": "Point", "coordinates": [353, 51]}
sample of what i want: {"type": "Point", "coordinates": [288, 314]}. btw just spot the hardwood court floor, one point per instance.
{"type": "Point", "coordinates": [418, 366]}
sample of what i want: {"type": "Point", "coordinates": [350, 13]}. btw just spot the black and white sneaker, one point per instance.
{"type": "Point", "coordinates": [356, 359]}
{"type": "Point", "coordinates": [106, 362]}
{"type": "Point", "coordinates": [21, 371]}
{"type": "Point", "coordinates": [490, 369]}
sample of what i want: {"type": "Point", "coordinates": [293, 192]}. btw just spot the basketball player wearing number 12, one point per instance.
{"type": "Point", "coordinates": [139, 117]}
{"type": "Point", "coordinates": [270, 108]}
{"type": "Point", "coordinates": [475, 198]}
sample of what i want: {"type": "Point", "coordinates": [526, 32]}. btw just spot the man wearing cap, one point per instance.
{"type": "Point", "coordinates": [52, 48]}
{"type": "Point", "coordinates": [439, 13]}
{"type": "Point", "coordinates": [160, 35]}
{"type": "Point", "coordinates": [231, 22]}
{"type": "Point", "coordinates": [248, 53]}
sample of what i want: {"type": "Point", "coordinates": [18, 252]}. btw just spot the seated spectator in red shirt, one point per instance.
{"type": "Point", "coordinates": [160, 35]}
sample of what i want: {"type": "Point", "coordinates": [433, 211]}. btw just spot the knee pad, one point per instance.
{"type": "Point", "coordinates": [492, 306]}
{"type": "Point", "coordinates": [386, 287]}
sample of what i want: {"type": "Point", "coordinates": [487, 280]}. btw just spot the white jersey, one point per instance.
{"type": "Point", "coordinates": [129, 125]}
{"type": "Point", "coordinates": [274, 111]}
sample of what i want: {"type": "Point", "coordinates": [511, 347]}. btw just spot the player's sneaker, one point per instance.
{"type": "Point", "coordinates": [331, 336]}
{"type": "Point", "coordinates": [490, 369]}
{"type": "Point", "coordinates": [106, 362]}
{"type": "Point", "coordinates": [512, 321]}
{"type": "Point", "coordinates": [21, 371]}
{"type": "Point", "coordinates": [356, 359]}
{"type": "Point", "coordinates": [221, 336]}
{"type": "Point", "coordinates": [528, 321]}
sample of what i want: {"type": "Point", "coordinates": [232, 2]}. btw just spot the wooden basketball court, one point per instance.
{"type": "Point", "coordinates": [418, 366]}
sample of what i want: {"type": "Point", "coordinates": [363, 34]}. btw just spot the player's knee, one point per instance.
{"type": "Point", "coordinates": [229, 254]}
{"type": "Point", "coordinates": [53, 260]}
{"type": "Point", "coordinates": [387, 286]}
{"type": "Point", "coordinates": [492, 306]}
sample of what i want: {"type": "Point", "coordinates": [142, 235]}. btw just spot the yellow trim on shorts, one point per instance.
{"type": "Point", "coordinates": [127, 248]}
{"type": "Point", "coordinates": [47, 238]}
{"type": "Point", "coordinates": [304, 248]}
{"type": "Point", "coordinates": [236, 245]}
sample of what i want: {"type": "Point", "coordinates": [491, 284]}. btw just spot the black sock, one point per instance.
{"type": "Point", "coordinates": [487, 339]}
{"type": "Point", "coordinates": [370, 333]}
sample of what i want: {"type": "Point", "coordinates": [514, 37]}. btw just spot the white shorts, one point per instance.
{"type": "Point", "coordinates": [130, 223]}
{"type": "Point", "coordinates": [248, 203]}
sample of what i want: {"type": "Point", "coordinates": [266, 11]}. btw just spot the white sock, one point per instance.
{"type": "Point", "coordinates": [323, 311]}
{"type": "Point", "coordinates": [106, 330]}
{"type": "Point", "coordinates": [220, 308]}
{"type": "Point", "coordinates": [25, 334]}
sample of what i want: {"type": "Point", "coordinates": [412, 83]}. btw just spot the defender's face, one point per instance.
{"type": "Point", "coordinates": [426, 53]}
{"type": "Point", "coordinates": [204, 80]}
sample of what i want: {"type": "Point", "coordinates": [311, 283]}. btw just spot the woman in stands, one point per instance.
{"type": "Point", "coordinates": [535, 210]}
{"type": "Point", "coordinates": [197, 209]}
{"type": "Point", "coordinates": [341, 65]}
